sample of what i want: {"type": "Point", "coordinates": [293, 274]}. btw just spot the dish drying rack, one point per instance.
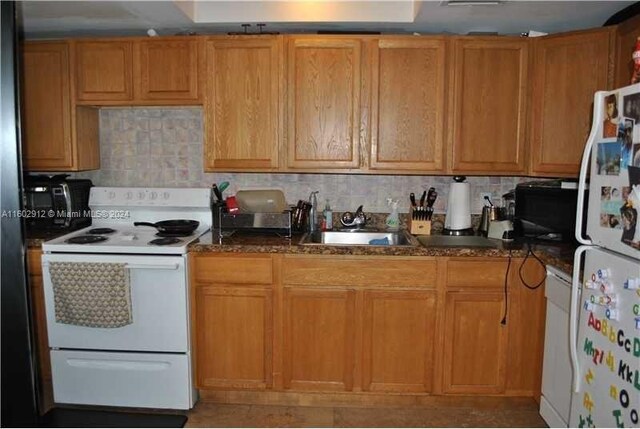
{"type": "Point", "coordinates": [227, 224]}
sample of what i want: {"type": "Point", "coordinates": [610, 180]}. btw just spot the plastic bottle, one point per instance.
{"type": "Point", "coordinates": [393, 222]}
{"type": "Point", "coordinates": [328, 216]}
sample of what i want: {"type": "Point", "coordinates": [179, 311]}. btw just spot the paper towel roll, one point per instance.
{"type": "Point", "coordinates": [458, 207]}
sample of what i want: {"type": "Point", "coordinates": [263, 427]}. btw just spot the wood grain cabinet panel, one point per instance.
{"type": "Point", "coordinates": [104, 71]}
{"type": "Point", "coordinates": [166, 70]}
{"type": "Point", "coordinates": [399, 339]}
{"type": "Point", "coordinates": [243, 107]}
{"type": "Point", "coordinates": [569, 69]}
{"type": "Point", "coordinates": [318, 339]}
{"type": "Point", "coordinates": [234, 337]}
{"type": "Point", "coordinates": [323, 84]}
{"type": "Point", "coordinates": [408, 99]}
{"type": "Point", "coordinates": [489, 105]}
{"type": "Point", "coordinates": [475, 343]}
{"type": "Point", "coordinates": [626, 35]}
{"type": "Point", "coordinates": [57, 134]}
{"type": "Point", "coordinates": [34, 258]}
{"type": "Point", "coordinates": [46, 107]}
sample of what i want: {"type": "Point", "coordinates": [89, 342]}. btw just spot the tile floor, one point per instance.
{"type": "Point", "coordinates": [207, 414]}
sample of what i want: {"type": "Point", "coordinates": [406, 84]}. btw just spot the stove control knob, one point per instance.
{"type": "Point", "coordinates": [632, 283]}
{"type": "Point", "coordinates": [166, 195]}
{"type": "Point", "coordinates": [141, 195]}
{"type": "Point", "coordinates": [111, 195]}
{"type": "Point", "coordinates": [153, 195]}
{"type": "Point", "coordinates": [129, 195]}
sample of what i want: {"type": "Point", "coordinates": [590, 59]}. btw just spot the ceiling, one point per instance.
{"type": "Point", "coordinates": [49, 19]}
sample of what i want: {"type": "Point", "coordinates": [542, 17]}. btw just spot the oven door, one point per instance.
{"type": "Point", "coordinates": [158, 300]}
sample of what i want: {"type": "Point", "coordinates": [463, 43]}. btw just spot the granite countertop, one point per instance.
{"type": "Point", "coordinates": [559, 255]}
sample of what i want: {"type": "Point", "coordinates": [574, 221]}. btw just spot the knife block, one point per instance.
{"type": "Point", "coordinates": [419, 227]}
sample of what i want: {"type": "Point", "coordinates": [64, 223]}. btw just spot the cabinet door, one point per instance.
{"type": "Point", "coordinates": [167, 70]}
{"type": "Point", "coordinates": [234, 337]}
{"type": "Point", "coordinates": [626, 35]}
{"type": "Point", "coordinates": [407, 99]}
{"type": "Point", "coordinates": [475, 343]}
{"type": "Point", "coordinates": [569, 69]}
{"type": "Point", "coordinates": [104, 71]}
{"type": "Point", "coordinates": [243, 103]}
{"type": "Point", "coordinates": [319, 336]}
{"type": "Point", "coordinates": [323, 84]}
{"type": "Point", "coordinates": [46, 107]}
{"type": "Point", "coordinates": [399, 338]}
{"type": "Point", "coordinates": [489, 105]}
{"type": "Point", "coordinates": [40, 318]}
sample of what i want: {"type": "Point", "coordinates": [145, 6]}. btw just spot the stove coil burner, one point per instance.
{"type": "Point", "coordinates": [164, 241]}
{"type": "Point", "coordinates": [86, 239]}
{"type": "Point", "coordinates": [173, 234]}
{"type": "Point", "coordinates": [101, 231]}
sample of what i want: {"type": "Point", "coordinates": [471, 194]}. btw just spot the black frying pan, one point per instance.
{"type": "Point", "coordinates": [173, 226]}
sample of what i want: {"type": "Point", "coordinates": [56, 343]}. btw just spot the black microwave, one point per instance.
{"type": "Point", "coordinates": [547, 210]}
{"type": "Point", "coordinates": [56, 203]}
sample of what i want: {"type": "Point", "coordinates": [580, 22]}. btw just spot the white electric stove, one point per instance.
{"type": "Point", "coordinates": [146, 363]}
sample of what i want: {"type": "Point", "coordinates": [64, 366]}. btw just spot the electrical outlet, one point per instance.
{"type": "Point", "coordinates": [483, 195]}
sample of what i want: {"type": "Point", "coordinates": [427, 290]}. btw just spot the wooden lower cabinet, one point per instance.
{"type": "Point", "coordinates": [475, 343]}
{"type": "Point", "coordinates": [234, 337]}
{"type": "Point", "coordinates": [366, 324]}
{"type": "Point", "coordinates": [318, 340]}
{"type": "Point", "coordinates": [34, 257]}
{"type": "Point", "coordinates": [398, 340]}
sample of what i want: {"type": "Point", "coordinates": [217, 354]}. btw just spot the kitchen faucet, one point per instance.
{"type": "Point", "coordinates": [354, 220]}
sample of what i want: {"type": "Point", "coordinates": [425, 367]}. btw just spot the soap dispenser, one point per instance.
{"type": "Point", "coordinates": [393, 221]}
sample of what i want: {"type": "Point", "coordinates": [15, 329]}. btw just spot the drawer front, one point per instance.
{"type": "Point", "coordinates": [486, 274]}
{"type": "Point", "coordinates": [363, 272]}
{"type": "Point", "coordinates": [146, 380]}
{"type": "Point", "coordinates": [254, 269]}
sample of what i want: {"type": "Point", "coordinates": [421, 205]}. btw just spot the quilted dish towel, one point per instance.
{"type": "Point", "coordinates": [90, 294]}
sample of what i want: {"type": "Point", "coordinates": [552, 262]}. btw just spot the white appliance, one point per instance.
{"type": "Point", "coordinates": [557, 373]}
{"type": "Point", "coordinates": [458, 219]}
{"type": "Point", "coordinates": [605, 312]}
{"type": "Point", "coordinates": [146, 363]}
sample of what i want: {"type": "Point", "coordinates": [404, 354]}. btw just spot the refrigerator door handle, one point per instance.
{"type": "Point", "coordinates": [584, 165]}
{"type": "Point", "coordinates": [573, 315]}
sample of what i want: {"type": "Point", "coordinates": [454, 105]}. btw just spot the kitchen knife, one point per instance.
{"type": "Point", "coordinates": [412, 197]}
{"type": "Point", "coordinates": [431, 197]}
{"type": "Point", "coordinates": [422, 198]}
{"type": "Point", "coordinates": [217, 192]}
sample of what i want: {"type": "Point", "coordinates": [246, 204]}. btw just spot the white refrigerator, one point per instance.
{"type": "Point", "coordinates": [605, 310]}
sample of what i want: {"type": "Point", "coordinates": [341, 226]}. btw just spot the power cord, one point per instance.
{"type": "Point", "coordinates": [524, 282]}
{"type": "Point", "coordinates": [506, 285]}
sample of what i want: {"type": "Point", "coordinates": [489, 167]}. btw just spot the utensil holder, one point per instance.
{"type": "Point", "coordinates": [418, 227]}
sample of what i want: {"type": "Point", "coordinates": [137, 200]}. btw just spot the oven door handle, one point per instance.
{"type": "Point", "coordinates": [151, 266]}
{"type": "Point", "coordinates": [142, 266]}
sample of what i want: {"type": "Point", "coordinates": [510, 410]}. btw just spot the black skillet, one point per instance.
{"type": "Point", "coordinates": [173, 226]}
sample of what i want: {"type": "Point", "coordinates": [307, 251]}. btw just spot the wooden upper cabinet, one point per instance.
{"type": "Point", "coordinates": [46, 107]}
{"type": "Point", "coordinates": [57, 135]}
{"type": "Point", "coordinates": [323, 84]}
{"type": "Point", "coordinates": [569, 69]}
{"type": "Point", "coordinates": [243, 103]}
{"type": "Point", "coordinates": [407, 104]}
{"type": "Point", "coordinates": [166, 69]}
{"type": "Point", "coordinates": [104, 71]}
{"type": "Point", "coordinates": [488, 126]}
{"type": "Point", "coordinates": [626, 35]}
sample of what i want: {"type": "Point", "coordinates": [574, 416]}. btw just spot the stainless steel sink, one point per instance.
{"type": "Point", "coordinates": [357, 238]}
{"type": "Point", "coordinates": [459, 241]}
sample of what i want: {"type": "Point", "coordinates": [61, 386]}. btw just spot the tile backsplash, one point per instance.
{"type": "Point", "coordinates": [162, 147]}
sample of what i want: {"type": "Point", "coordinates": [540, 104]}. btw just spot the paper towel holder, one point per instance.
{"type": "Point", "coordinates": [458, 218]}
